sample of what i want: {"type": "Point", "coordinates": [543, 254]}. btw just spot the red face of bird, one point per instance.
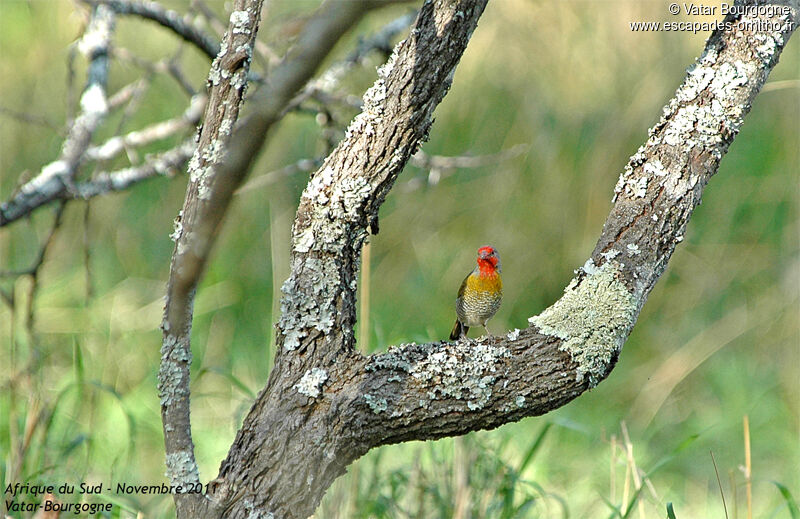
{"type": "Point", "coordinates": [488, 260]}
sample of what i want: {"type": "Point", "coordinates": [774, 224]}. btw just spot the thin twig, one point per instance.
{"type": "Point", "coordinates": [132, 108]}
{"type": "Point", "coordinates": [39, 260]}
{"type": "Point", "coordinates": [212, 18]}
{"type": "Point", "coordinates": [719, 482]}
{"type": "Point", "coordinates": [425, 161]}
{"type": "Point", "coordinates": [126, 93]}
{"type": "Point", "coordinates": [329, 80]}
{"type": "Point", "coordinates": [164, 66]}
{"type": "Point", "coordinates": [441, 166]}
{"type": "Point", "coordinates": [163, 164]}
{"type": "Point", "coordinates": [176, 72]}
{"type": "Point", "coordinates": [87, 251]}
{"type": "Point", "coordinates": [29, 118]}
{"type": "Point", "coordinates": [34, 271]}
{"type": "Point", "coordinates": [330, 98]}
{"type": "Point", "coordinates": [188, 119]}
{"type": "Point", "coordinates": [302, 165]}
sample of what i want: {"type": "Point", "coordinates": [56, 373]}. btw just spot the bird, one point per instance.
{"type": "Point", "coordinates": [480, 294]}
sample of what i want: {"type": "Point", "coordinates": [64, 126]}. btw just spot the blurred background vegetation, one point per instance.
{"type": "Point", "coordinates": [718, 340]}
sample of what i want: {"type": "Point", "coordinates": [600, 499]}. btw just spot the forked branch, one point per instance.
{"type": "Point", "coordinates": [325, 404]}
{"type": "Point", "coordinates": [224, 154]}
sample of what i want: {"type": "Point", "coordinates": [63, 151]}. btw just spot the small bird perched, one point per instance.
{"type": "Point", "coordinates": [480, 294]}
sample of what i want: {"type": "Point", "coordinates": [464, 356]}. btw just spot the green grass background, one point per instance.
{"type": "Point", "coordinates": [718, 339]}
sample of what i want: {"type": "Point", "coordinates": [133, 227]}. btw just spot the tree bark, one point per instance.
{"type": "Point", "coordinates": [206, 201]}
{"type": "Point", "coordinates": [325, 405]}
{"type": "Point", "coordinates": [288, 453]}
{"type": "Point", "coordinates": [219, 165]}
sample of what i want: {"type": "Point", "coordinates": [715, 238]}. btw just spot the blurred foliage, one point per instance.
{"type": "Point", "coordinates": [718, 339]}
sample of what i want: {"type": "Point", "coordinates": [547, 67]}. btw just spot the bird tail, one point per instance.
{"type": "Point", "coordinates": [459, 330]}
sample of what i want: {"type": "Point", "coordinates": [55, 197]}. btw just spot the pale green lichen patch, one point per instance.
{"type": "Point", "coordinates": [463, 370]}
{"type": "Point", "coordinates": [240, 21]}
{"type": "Point", "coordinates": [177, 227]}
{"type": "Point", "coordinates": [374, 100]}
{"type": "Point", "coordinates": [655, 167]}
{"type": "Point", "coordinates": [767, 47]}
{"type": "Point", "coordinates": [592, 319]}
{"type": "Point", "coordinates": [181, 469]}
{"type": "Point", "coordinates": [308, 304]}
{"type": "Point", "coordinates": [636, 187]}
{"type": "Point", "coordinates": [175, 358]}
{"type": "Point", "coordinates": [394, 359]}
{"type": "Point", "coordinates": [610, 254]}
{"type": "Point", "coordinates": [376, 404]}
{"type": "Point", "coordinates": [311, 382]}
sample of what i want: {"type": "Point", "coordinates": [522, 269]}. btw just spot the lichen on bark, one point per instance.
{"type": "Point", "coordinates": [592, 318]}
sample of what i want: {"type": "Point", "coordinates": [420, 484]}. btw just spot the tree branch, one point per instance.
{"type": "Point", "coordinates": [442, 389]}
{"type": "Point", "coordinates": [441, 166]}
{"type": "Point", "coordinates": [381, 40]}
{"type": "Point", "coordinates": [188, 119]}
{"type": "Point", "coordinates": [272, 466]}
{"type": "Point", "coordinates": [325, 405]}
{"type": "Point", "coordinates": [194, 229]}
{"type": "Point", "coordinates": [164, 164]}
{"type": "Point", "coordinates": [56, 178]}
{"type": "Point", "coordinates": [180, 25]}
{"type": "Point", "coordinates": [217, 168]}
{"type": "Point", "coordinates": [167, 66]}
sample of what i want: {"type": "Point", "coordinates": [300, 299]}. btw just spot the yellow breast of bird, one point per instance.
{"type": "Point", "coordinates": [479, 299]}
{"type": "Point", "coordinates": [490, 284]}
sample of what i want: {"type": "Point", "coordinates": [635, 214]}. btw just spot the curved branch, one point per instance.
{"type": "Point", "coordinates": [180, 25]}
{"type": "Point", "coordinates": [434, 390]}
{"type": "Point", "coordinates": [443, 389]}
{"type": "Point", "coordinates": [325, 404]}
